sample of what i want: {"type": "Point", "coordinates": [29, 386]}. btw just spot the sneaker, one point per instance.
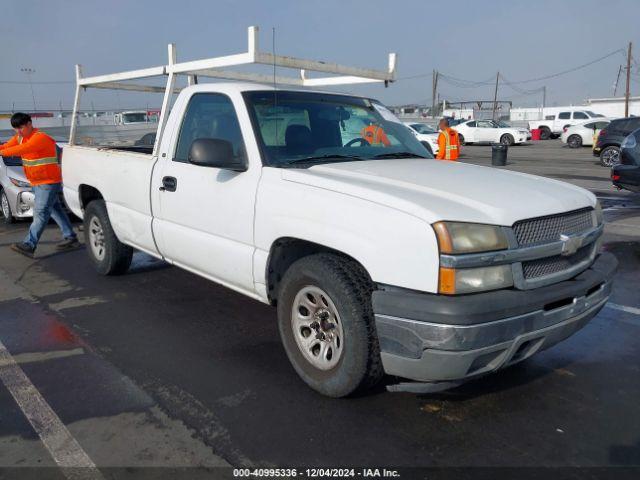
{"type": "Point", "coordinates": [68, 244]}
{"type": "Point", "coordinates": [23, 248]}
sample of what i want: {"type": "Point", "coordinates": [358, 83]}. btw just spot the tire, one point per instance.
{"type": "Point", "coordinates": [461, 139]}
{"type": "Point", "coordinates": [427, 146]}
{"type": "Point", "coordinates": [574, 141]}
{"type": "Point", "coordinates": [507, 139]}
{"type": "Point", "coordinates": [5, 208]}
{"type": "Point", "coordinates": [545, 133]}
{"type": "Point", "coordinates": [354, 363]}
{"type": "Point", "coordinates": [610, 156]}
{"type": "Point", "coordinates": [108, 255]}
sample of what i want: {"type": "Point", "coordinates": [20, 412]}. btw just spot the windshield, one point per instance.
{"type": "Point", "coordinates": [594, 115]}
{"type": "Point", "coordinates": [502, 124]}
{"type": "Point", "coordinates": [293, 127]}
{"type": "Point", "coordinates": [422, 128]}
{"type": "Point", "coordinates": [12, 161]}
{"type": "Point", "coordinates": [134, 117]}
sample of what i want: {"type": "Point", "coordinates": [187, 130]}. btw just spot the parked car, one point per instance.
{"type": "Point", "coordinates": [426, 135]}
{"type": "Point", "coordinates": [16, 198]}
{"type": "Point", "coordinates": [488, 131]}
{"type": "Point", "coordinates": [553, 125]}
{"type": "Point", "coordinates": [626, 175]}
{"type": "Point", "coordinates": [609, 140]}
{"type": "Point", "coordinates": [583, 134]}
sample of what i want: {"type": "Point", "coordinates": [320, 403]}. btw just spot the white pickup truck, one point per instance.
{"type": "Point", "coordinates": [553, 125]}
{"type": "Point", "coordinates": [378, 257]}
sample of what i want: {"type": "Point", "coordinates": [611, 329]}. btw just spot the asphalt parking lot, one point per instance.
{"type": "Point", "coordinates": [162, 368]}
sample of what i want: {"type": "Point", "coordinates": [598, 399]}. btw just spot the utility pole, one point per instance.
{"type": "Point", "coordinates": [434, 89]}
{"type": "Point", "coordinates": [615, 86]}
{"type": "Point", "coordinates": [495, 98]}
{"type": "Point", "coordinates": [29, 72]}
{"type": "Point", "coordinates": [626, 95]}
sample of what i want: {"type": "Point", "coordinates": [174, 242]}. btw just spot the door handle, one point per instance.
{"type": "Point", "coordinates": [169, 184]}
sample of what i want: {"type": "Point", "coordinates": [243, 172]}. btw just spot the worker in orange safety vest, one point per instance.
{"type": "Point", "coordinates": [42, 168]}
{"type": "Point", "coordinates": [374, 134]}
{"type": "Point", "coordinates": [448, 142]}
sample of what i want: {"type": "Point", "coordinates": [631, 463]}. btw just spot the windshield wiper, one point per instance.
{"type": "Point", "coordinates": [399, 155]}
{"type": "Point", "coordinates": [324, 158]}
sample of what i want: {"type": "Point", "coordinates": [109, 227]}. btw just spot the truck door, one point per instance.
{"type": "Point", "coordinates": [204, 222]}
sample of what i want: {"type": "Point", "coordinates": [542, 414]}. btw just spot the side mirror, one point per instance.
{"type": "Point", "coordinates": [217, 153]}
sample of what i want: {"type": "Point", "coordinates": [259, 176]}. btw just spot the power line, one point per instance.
{"type": "Point", "coordinates": [463, 83]}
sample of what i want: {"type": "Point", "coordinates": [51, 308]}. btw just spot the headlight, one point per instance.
{"type": "Point", "coordinates": [20, 183]}
{"type": "Point", "coordinates": [471, 280]}
{"type": "Point", "coordinates": [629, 141]}
{"type": "Point", "coordinates": [457, 237]}
{"type": "Point", "coordinates": [599, 214]}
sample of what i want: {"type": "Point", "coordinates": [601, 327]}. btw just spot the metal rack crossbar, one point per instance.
{"type": "Point", "coordinates": [215, 68]}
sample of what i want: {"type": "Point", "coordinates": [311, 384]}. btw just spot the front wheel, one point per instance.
{"type": "Point", "coordinates": [610, 156]}
{"type": "Point", "coordinates": [461, 139]}
{"type": "Point", "coordinates": [327, 325]}
{"type": "Point", "coordinates": [507, 139]}
{"type": "Point", "coordinates": [6, 208]}
{"type": "Point", "coordinates": [108, 255]}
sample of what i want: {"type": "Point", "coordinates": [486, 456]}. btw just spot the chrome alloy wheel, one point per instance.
{"type": "Point", "coordinates": [6, 212]}
{"type": "Point", "coordinates": [611, 157]}
{"type": "Point", "coordinates": [317, 328]}
{"type": "Point", "coordinates": [96, 238]}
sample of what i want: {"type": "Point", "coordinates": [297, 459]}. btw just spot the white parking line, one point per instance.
{"type": "Point", "coordinates": [624, 308]}
{"type": "Point", "coordinates": [63, 448]}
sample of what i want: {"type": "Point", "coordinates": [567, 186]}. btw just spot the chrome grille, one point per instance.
{"type": "Point", "coordinates": [548, 229]}
{"type": "Point", "coordinates": [550, 265]}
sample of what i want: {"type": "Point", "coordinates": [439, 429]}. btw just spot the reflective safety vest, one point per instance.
{"type": "Point", "coordinates": [39, 158]}
{"type": "Point", "coordinates": [374, 135]}
{"type": "Point", "coordinates": [451, 145]}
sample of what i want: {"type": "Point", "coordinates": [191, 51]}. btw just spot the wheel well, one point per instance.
{"type": "Point", "coordinates": [544, 127]}
{"type": "Point", "coordinates": [88, 194]}
{"type": "Point", "coordinates": [284, 252]}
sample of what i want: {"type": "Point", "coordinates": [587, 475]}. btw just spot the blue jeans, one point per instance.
{"type": "Point", "coordinates": [47, 205]}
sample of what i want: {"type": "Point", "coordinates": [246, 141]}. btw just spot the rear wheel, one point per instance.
{"type": "Point", "coordinates": [507, 139]}
{"type": "Point", "coordinates": [108, 255]}
{"type": "Point", "coordinates": [461, 139]}
{"type": "Point", "coordinates": [574, 141]}
{"type": "Point", "coordinates": [545, 133]}
{"type": "Point", "coordinates": [327, 325]}
{"type": "Point", "coordinates": [610, 156]}
{"type": "Point", "coordinates": [7, 215]}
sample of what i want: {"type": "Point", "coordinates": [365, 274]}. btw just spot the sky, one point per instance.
{"type": "Point", "coordinates": [468, 40]}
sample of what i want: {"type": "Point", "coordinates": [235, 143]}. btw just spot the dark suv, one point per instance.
{"type": "Point", "coordinates": [608, 145]}
{"type": "Point", "coordinates": [627, 173]}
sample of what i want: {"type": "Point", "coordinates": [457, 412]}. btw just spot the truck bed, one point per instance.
{"type": "Point", "coordinates": [121, 175]}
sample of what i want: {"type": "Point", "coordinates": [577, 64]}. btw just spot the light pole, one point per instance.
{"type": "Point", "coordinates": [29, 72]}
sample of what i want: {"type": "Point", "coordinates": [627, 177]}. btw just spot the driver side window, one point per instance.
{"type": "Point", "coordinates": [209, 115]}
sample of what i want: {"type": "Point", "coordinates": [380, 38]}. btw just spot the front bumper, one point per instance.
{"type": "Point", "coordinates": [432, 338]}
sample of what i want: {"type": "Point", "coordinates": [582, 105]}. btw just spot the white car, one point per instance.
{"type": "Point", "coordinates": [488, 131]}
{"type": "Point", "coordinates": [426, 135]}
{"type": "Point", "coordinates": [583, 133]}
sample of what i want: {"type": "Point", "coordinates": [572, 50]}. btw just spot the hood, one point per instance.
{"type": "Point", "coordinates": [435, 190]}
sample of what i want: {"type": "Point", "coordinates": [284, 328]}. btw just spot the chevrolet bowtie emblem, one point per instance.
{"type": "Point", "coordinates": [570, 245]}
